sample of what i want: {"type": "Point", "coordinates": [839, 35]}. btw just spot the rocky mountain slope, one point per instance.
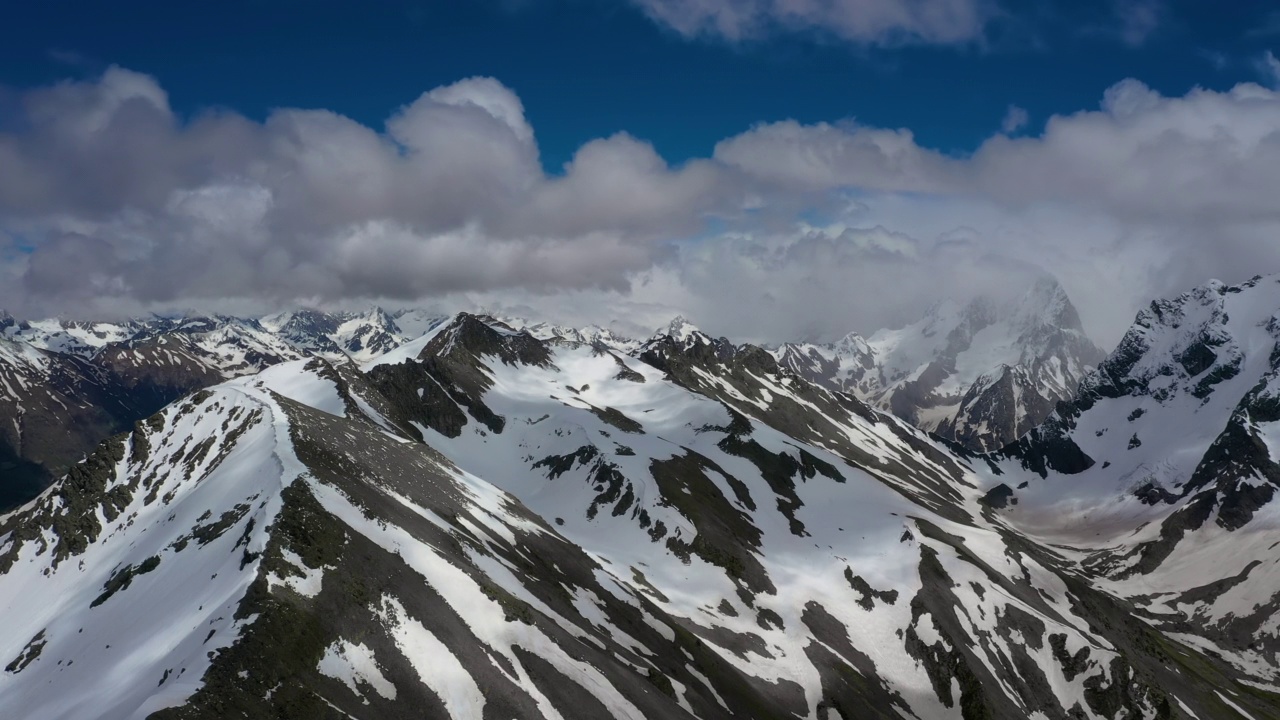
{"type": "Point", "coordinates": [982, 374]}
{"type": "Point", "coordinates": [54, 407]}
{"type": "Point", "coordinates": [1161, 473]}
{"type": "Point", "coordinates": [482, 523]}
{"type": "Point", "coordinates": [70, 384]}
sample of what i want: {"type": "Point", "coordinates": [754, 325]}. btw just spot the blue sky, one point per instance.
{"type": "Point", "coordinates": [588, 68]}
{"type": "Point", "coordinates": [772, 169]}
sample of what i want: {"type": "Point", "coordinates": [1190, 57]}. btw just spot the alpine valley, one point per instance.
{"type": "Point", "coordinates": [406, 515]}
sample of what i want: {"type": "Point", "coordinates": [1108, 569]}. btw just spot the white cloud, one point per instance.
{"type": "Point", "coordinates": [1015, 118]}
{"type": "Point", "coordinates": [1138, 19]}
{"type": "Point", "coordinates": [822, 156]}
{"type": "Point", "coordinates": [313, 204]}
{"type": "Point", "coordinates": [1203, 157]}
{"type": "Point", "coordinates": [1269, 68]}
{"type": "Point", "coordinates": [875, 22]}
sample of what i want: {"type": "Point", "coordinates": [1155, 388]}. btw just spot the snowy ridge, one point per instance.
{"type": "Point", "coordinates": [18, 359]}
{"type": "Point", "coordinates": [136, 505]}
{"type": "Point", "coordinates": [79, 338]}
{"type": "Point", "coordinates": [67, 384]}
{"type": "Point", "coordinates": [587, 335]}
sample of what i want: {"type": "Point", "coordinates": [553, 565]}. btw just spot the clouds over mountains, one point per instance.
{"type": "Point", "coordinates": [106, 196]}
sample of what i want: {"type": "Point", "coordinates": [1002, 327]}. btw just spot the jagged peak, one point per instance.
{"type": "Point", "coordinates": [680, 328]}
{"type": "Point", "coordinates": [1173, 312]}
{"type": "Point", "coordinates": [1045, 303]}
{"type": "Point", "coordinates": [303, 321]}
{"type": "Point", "coordinates": [682, 331]}
{"type": "Point", "coordinates": [852, 339]}
{"type": "Point", "coordinates": [484, 335]}
{"type": "Point", "coordinates": [1191, 343]}
{"type": "Point", "coordinates": [374, 318]}
{"type": "Point", "coordinates": [377, 315]}
{"type": "Point", "coordinates": [797, 348]}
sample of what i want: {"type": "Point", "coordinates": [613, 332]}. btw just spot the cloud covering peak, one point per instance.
{"type": "Point", "coordinates": [108, 199]}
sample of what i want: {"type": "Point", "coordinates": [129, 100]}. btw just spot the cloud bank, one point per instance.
{"type": "Point", "coordinates": [111, 202]}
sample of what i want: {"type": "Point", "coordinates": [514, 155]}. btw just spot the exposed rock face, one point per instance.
{"type": "Point", "coordinates": [981, 375]}
{"type": "Point", "coordinates": [359, 336]}
{"type": "Point", "coordinates": [998, 409]}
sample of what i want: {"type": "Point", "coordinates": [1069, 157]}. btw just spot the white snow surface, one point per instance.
{"type": "Point", "coordinates": [868, 523]}
{"type": "Point", "coordinates": [143, 648]}
{"type": "Point", "coordinates": [354, 664]}
{"type": "Point", "coordinates": [295, 382]}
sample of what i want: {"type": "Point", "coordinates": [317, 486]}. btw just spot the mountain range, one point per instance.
{"type": "Point", "coordinates": [340, 516]}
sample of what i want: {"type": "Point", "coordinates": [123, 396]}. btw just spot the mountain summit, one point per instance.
{"type": "Point", "coordinates": [981, 374]}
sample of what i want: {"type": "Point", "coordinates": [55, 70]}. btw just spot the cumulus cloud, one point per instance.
{"type": "Point", "coordinates": [1146, 195]}
{"type": "Point", "coordinates": [109, 200]}
{"type": "Point", "coordinates": [114, 196]}
{"type": "Point", "coordinates": [875, 22]}
{"type": "Point", "coordinates": [1203, 157]}
{"type": "Point", "coordinates": [1269, 68]}
{"type": "Point", "coordinates": [1138, 19]}
{"type": "Point", "coordinates": [1015, 118]}
{"type": "Point", "coordinates": [821, 156]}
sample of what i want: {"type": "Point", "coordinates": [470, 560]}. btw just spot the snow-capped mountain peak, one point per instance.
{"type": "Point", "coordinates": [982, 373]}
{"type": "Point", "coordinates": [853, 345]}
{"type": "Point", "coordinates": [681, 337]}
{"type": "Point", "coordinates": [68, 336]}
{"type": "Point", "coordinates": [681, 329]}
